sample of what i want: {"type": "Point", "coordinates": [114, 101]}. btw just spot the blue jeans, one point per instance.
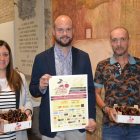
{"type": "Point", "coordinates": [120, 132]}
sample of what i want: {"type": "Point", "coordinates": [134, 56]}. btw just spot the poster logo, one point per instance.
{"type": "Point", "coordinates": [18, 126]}
{"type": "Point", "coordinates": [62, 87]}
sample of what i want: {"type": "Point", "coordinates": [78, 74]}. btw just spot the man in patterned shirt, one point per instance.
{"type": "Point", "coordinates": [61, 59]}
{"type": "Point", "coordinates": [120, 76]}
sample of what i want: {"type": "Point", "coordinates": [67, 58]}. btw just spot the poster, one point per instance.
{"type": "Point", "coordinates": [68, 102]}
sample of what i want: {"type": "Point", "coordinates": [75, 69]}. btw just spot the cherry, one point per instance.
{"type": "Point", "coordinates": [14, 116]}
{"type": "Point", "coordinates": [19, 119]}
{"type": "Point", "coordinates": [127, 111]}
{"type": "Point", "coordinates": [10, 111]}
{"type": "Point", "coordinates": [18, 115]}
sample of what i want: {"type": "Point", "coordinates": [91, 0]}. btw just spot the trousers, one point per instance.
{"type": "Point", "coordinates": [67, 135]}
{"type": "Point", "coordinates": [121, 132]}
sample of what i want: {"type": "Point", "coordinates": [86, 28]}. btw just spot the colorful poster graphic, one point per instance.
{"type": "Point", "coordinates": [68, 102]}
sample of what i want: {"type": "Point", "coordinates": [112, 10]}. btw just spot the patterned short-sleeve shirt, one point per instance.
{"type": "Point", "coordinates": [122, 87]}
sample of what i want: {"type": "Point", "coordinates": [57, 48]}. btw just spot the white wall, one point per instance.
{"type": "Point", "coordinates": [7, 33]}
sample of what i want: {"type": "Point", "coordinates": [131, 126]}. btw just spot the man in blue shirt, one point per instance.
{"type": "Point", "coordinates": [120, 76]}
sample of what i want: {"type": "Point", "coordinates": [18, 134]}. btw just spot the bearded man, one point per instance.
{"type": "Point", "coordinates": [61, 59]}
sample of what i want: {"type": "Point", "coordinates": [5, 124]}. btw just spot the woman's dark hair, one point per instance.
{"type": "Point", "coordinates": [13, 77]}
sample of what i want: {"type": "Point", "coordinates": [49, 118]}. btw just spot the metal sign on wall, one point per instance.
{"type": "Point", "coordinates": [29, 33]}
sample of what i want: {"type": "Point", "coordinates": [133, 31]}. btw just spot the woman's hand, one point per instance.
{"type": "Point", "coordinates": [1, 120]}
{"type": "Point", "coordinates": [28, 112]}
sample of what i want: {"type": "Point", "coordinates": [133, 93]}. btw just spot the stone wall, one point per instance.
{"type": "Point", "coordinates": [6, 11]}
{"type": "Point", "coordinates": [48, 23]}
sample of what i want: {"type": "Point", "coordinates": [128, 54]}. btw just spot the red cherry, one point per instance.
{"type": "Point", "coordinates": [116, 108]}
{"type": "Point", "coordinates": [15, 111]}
{"type": "Point", "coordinates": [18, 115]}
{"type": "Point", "coordinates": [14, 116]}
{"type": "Point", "coordinates": [19, 119]}
{"type": "Point", "coordinates": [5, 114]}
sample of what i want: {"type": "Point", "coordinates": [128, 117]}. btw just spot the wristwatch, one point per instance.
{"type": "Point", "coordinates": [103, 108]}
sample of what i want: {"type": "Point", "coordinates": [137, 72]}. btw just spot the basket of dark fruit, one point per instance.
{"type": "Point", "coordinates": [13, 116]}
{"type": "Point", "coordinates": [127, 110]}
{"type": "Point", "coordinates": [125, 114]}
{"type": "Point", "coordinates": [14, 120]}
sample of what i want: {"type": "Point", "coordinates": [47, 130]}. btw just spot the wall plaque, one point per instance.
{"type": "Point", "coordinates": [30, 32]}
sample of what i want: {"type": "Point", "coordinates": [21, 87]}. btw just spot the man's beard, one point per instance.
{"type": "Point", "coordinates": [121, 54]}
{"type": "Point", "coordinates": [59, 42]}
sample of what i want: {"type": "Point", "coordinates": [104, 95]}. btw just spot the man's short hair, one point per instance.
{"type": "Point", "coordinates": [120, 28]}
{"type": "Point", "coordinates": [61, 15]}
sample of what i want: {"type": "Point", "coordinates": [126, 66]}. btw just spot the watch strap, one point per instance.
{"type": "Point", "coordinates": [103, 108]}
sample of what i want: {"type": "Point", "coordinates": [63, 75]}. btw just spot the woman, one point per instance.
{"type": "Point", "coordinates": [11, 82]}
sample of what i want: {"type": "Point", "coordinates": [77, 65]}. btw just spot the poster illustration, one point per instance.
{"type": "Point", "coordinates": [68, 102]}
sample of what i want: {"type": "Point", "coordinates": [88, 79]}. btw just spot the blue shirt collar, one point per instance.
{"type": "Point", "coordinates": [131, 60]}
